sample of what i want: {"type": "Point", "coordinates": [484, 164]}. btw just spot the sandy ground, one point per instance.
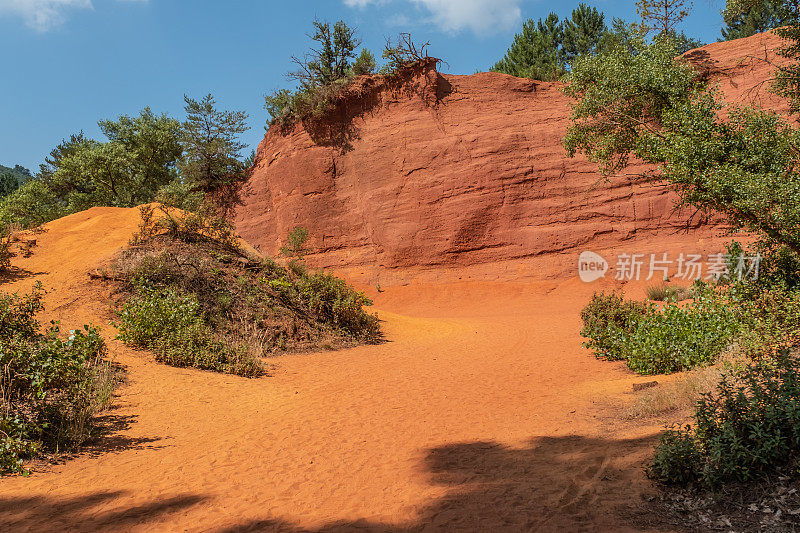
{"type": "Point", "coordinates": [480, 412]}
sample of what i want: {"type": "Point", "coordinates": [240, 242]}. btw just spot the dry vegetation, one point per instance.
{"type": "Point", "coordinates": [188, 292]}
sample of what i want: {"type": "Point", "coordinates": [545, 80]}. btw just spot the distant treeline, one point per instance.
{"type": "Point", "coordinates": [546, 48]}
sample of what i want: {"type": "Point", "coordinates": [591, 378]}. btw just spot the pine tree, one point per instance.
{"type": "Point", "coordinates": [536, 51]}
{"type": "Point", "coordinates": [757, 19]}
{"type": "Point", "coordinates": [331, 60]}
{"type": "Point", "coordinates": [662, 16]}
{"type": "Point", "coordinates": [212, 149]}
{"type": "Point", "coordinates": [582, 32]}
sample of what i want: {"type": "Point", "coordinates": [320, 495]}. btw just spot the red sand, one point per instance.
{"type": "Point", "coordinates": [481, 412]}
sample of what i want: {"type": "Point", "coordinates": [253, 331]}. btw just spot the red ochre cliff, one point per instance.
{"type": "Point", "coordinates": [466, 175]}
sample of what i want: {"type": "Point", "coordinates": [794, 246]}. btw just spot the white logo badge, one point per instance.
{"type": "Point", "coordinates": [591, 267]}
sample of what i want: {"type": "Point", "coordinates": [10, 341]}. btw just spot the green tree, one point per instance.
{"type": "Point", "coordinates": [20, 173]}
{"type": "Point", "coordinates": [536, 51]}
{"type": "Point", "coordinates": [151, 142]}
{"type": "Point", "coordinates": [757, 19]}
{"type": "Point", "coordinates": [212, 161]}
{"type": "Point", "coordinates": [137, 159]}
{"type": "Point", "coordinates": [582, 32]}
{"type": "Point", "coordinates": [365, 63]}
{"type": "Point", "coordinates": [330, 59]}
{"type": "Point", "coordinates": [662, 16]}
{"type": "Point", "coordinates": [647, 105]}
{"type": "Point", "coordinates": [125, 171]}
{"type": "Point", "coordinates": [8, 183]}
{"type": "Point", "coordinates": [33, 204]}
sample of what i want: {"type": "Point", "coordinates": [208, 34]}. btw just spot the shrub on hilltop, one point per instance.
{"type": "Point", "coordinates": [191, 294]}
{"type": "Point", "coordinates": [329, 67]}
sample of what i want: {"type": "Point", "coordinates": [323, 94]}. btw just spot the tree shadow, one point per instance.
{"type": "Point", "coordinates": [109, 440]}
{"type": "Point", "coordinates": [703, 63]}
{"type": "Point", "coordinates": [85, 513]}
{"type": "Point", "coordinates": [553, 484]}
{"type": "Point", "coordinates": [14, 273]}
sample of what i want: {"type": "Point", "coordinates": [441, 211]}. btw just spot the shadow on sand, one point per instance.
{"type": "Point", "coordinates": [553, 484]}
{"type": "Point", "coordinates": [85, 513]}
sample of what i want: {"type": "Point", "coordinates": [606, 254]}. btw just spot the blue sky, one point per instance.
{"type": "Point", "coordinates": [68, 63]}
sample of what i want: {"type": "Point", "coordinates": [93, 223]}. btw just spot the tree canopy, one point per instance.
{"type": "Point", "coordinates": [643, 103]}
{"type": "Point", "coordinates": [546, 49]}
{"type": "Point", "coordinates": [758, 18]}
{"type": "Point", "coordinates": [140, 156]}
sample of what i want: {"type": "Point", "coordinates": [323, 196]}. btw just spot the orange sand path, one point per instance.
{"type": "Point", "coordinates": [481, 412]}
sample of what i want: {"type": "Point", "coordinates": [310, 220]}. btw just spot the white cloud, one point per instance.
{"type": "Point", "coordinates": [479, 16]}
{"type": "Point", "coordinates": [43, 15]}
{"type": "Point", "coordinates": [359, 3]}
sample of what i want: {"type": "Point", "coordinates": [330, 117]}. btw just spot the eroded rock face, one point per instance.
{"type": "Point", "coordinates": [464, 170]}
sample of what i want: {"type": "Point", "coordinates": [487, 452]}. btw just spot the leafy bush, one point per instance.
{"type": "Point", "coordinates": [747, 429]}
{"type": "Point", "coordinates": [50, 389]}
{"type": "Point", "coordinates": [653, 340]}
{"type": "Point", "coordinates": [608, 320]}
{"type": "Point", "coordinates": [679, 338]}
{"type": "Point", "coordinates": [173, 327]}
{"type": "Point", "coordinates": [335, 302]}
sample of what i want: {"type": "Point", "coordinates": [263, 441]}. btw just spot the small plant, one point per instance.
{"type": "Point", "coordinates": [403, 52]}
{"type": "Point", "coordinates": [608, 320]}
{"type": "Point", "coordinates": [663, 293]}
{"type": "Point", "coordinates": [295, 243]}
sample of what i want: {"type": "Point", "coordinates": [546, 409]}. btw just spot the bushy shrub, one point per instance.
{"type": "Point", "coordinates": [180, 194]}
{"type": "Point", "coordinates": [51, 388]}
{"type": "Point", "coordinates": [678, 338]}
{"type": "Point", "coordinates": [656, 340]}
{"type": "Point", "coordinates": [202, 302]}
{"type": "Point", "coordinates": [173, 327]}
{"type": "Point", "coordinates": [608, 320]}
{"type": "Point", "coordinates": [335, 302]}
{"type": "Point", "coordinates": [748, 428]}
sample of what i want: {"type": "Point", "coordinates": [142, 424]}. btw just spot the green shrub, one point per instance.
{"type": "Point", "coordinates": [337, 303]}
{"type": "Point", "coordinates": [608, 320]}
{"type": "Point", "coordinates": [678, 338]}
{"type": "Point", "coordinates": [180, 194]}
{"type": "Point", "coordinates": [51, 388]}
{"type": "Point", "coordinates": [665, 340]}
{"type": "Point", "coordinates": [172, 325]}
{"type": "Point", "coordinates": [747, 429]}
{"type": "Point", "coordinates": [201, 302]}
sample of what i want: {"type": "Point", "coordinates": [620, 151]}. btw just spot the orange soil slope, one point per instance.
{"type": "Point", "coordinates": [480, 412]}
{"type": "Point", "coordinates": [471, 173]}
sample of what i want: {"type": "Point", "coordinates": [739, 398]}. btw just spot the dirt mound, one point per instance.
{"type": "Point", "coordinates": [476, 175]}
